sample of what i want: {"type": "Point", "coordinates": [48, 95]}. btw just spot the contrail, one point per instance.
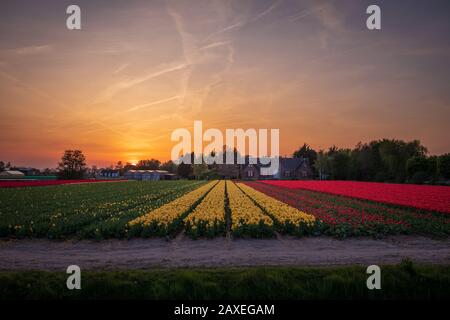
{"type": "Point", "coordinates": [117, 87]}
{"type": "Point", "coordinates": [145, 105]}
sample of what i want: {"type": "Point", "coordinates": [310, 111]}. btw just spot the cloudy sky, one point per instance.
{"type": "Point", "coordinates": [140, 69]}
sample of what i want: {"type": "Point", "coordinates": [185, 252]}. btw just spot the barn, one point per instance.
{"type": "Point", "coordinates": [11, 174]}
{"type": "Point", "coordinates": [148, 175]}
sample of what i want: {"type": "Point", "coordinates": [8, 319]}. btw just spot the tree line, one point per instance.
{"type": "Point", "coordinates": [385, 160]}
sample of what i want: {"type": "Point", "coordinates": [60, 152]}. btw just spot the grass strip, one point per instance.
{"type": "Point", "coordinates": [403, 281]}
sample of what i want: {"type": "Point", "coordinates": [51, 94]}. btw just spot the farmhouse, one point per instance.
{"type": "Point", "coordinates": [294, 168]}
{"type": "Point", "coordinates": [228, 171]}
{"type": "Point", "coordinates": [289, 168]}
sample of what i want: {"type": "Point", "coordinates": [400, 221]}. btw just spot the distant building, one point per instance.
{"type": "Point", "coordinates": [250, 171]}
{"type": "Point", "coordinates": [170, 176]}
{"type": "Point", "coordinates": [154, 174]}
{"type": "Point", "coordinates": [11, 174]}
{"type": "Point", "coordinates": [149, 175]}
{"type": "Point", "coordinates": [289, 169]}
{"type": "Point", "coordinates": [109, 173]}
{"type": "Point", "coordinates": [294, 168]}
{"type": "Point", "coordinates": [228, 171]}
{"type": "Point", "coordinates": [27, 171]}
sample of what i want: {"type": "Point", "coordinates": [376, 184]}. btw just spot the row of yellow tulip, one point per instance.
{"type": "Point", "coordinates": [247, 218]}
{"type": "Point", "coordinates": [282, 212]}
{"type": "Point", "coordinates": [208, 218]}
{"type": "Point", "coordinates": [165, 215]}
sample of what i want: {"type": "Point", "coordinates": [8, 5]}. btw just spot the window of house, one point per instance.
{"type": "Point", "coordinates": [287, 173]}
{"type": "Point", "coordinates": [250, 173]}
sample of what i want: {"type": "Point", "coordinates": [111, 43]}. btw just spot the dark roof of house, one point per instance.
{"type": "Point", "coordinates": [285, 163]}
{"type": "Point", "coordinates": [258, 163]}
{"type": "Point", "coordinates": [109, 170]}
{"type": "Point", "coordinates": [147, 171]}
{"type": "Point", "coordinates": [291, 163]}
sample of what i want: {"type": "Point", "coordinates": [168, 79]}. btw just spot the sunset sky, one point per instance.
{"type": "Point", "coordinates": [137, 70]}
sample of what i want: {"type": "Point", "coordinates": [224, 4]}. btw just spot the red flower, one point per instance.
{"type": "Point", "coordinates": [345, 215]}
{"type": "Point", "coordinates": [435, 198]}
{"type": "Point", "coordinates": [40, 183]}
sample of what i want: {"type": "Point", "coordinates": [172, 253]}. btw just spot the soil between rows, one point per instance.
{"type": "Point", "coordinates": [39, 254]}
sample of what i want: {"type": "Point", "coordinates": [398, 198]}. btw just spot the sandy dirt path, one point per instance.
{"type": "Point", "coordinates": [219, 252]}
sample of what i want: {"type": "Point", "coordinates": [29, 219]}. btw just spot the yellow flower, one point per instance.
{"type": "Point", "coordinates": [171, 211]}
{"type": "Point", "coordinates": [211, 209]}
{"type": "Point", "coordinates": [243, 210]}
{"type": "Point", "coordinates": [279, 210]}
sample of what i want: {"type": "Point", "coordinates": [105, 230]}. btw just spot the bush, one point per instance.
{"type": "Point", "coordinates": [380, 177]}
{"type": "Point", "coordinates": [419, 177]}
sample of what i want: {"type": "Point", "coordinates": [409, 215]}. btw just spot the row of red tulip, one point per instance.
{"type": "Point", "coordinates": [350, 216]}
{"type": "Point", "coordinates": [434, 198]}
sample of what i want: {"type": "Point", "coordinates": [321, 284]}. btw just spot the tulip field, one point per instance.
{"type": "Point", "coordinates": [92, 210]}
{"type": "Point", "coordinates": [207, 209]}
{"type": "Point", "coordinates": [345, 216]}
{"type": "Point", "coordinates": [435, 198]}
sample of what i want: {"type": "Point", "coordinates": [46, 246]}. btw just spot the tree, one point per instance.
{"type": "Point", "coordinates": [379, 160]}
{"type": "Point", "coordinates": [443, 166]}
{"type": "Point", "coordinates": [184, 170]}
{"type": "Point", "coordinates": [363, 163]}
{"type": "Point", "coordinates": [340, 164]}
{"type": "Point", "coordinates": [47, 172]}
{"type": "Point", "coordinates": [169, 166]}
{"type": "Point", "coordinates": [432, 168]}
{"type": "Point", "coordinates": [128, 166]}
{"type": "Point", "coordinates": [418, 169]}
{"type": "Point", "coordinates": [321, 164]}
{"type": "Point", "coordinates": [151, 164]}
{"type": "Point", "coordinates": [307, 152]}
{"type": "Point", "coordinates": [416, 164]}
{"type": "Point", "coordinates": [394, 155]}
{"type": "Point", "coordinates": [390, 153]}
{"type": "Point", "coordinates": [201, 171]}
{"type": "Point", "coordinates": [72, 165]}
{"type": "Point", "coordinates": [4, 166]}
{"type": "Point", "coordinates": [119, 165]}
